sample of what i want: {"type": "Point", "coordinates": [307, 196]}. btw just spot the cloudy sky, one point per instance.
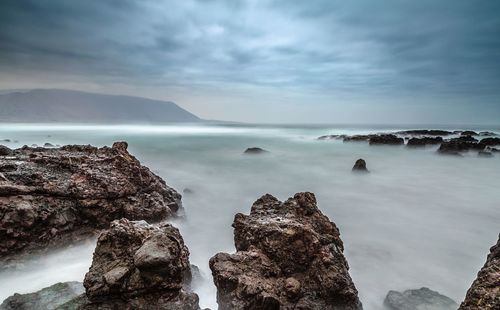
{"type": "Point", "coordinates": [319, 61]}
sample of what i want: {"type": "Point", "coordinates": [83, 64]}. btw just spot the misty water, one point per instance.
{"type": "Point", "coordinates": [418, 219]}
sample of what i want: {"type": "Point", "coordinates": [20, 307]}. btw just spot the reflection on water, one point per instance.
{"type": "Point", "coordinates": [418, 219]}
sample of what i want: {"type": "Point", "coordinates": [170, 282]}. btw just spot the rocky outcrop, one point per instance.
{"type": "Point", "coordinates": [458, 145]}
{"type": "Point", "coordinates": [420, 299]}
{"type": "Point", "coordinates": [360, 166]}
{"type": "Point", "coordinates": [485, 290]}
{"type": "Point", "coordinates": [138, 266]}
{"type": "Point", "coordinates": [51, 196]}
{"type": "Point", "coordinates": [254, 151]}
{"type": "Point", "coordinates": [487, 134]}
{"type": "Point", "coordinates": [468, 133]}
{"type": "Point", "coordinates": [289, 256]}
{"type": "Point", "coordinates": [425, 132]}
{"type": "Point", "coordinates": [386, 139]}
{"type": "Point", "coordinates": [490, 141]}
{"type": "Point", "coordinates": [357, 138]}
{"type": "Point", "coordinates": [421, 142]}
{"type": "Point", "coordinates": [46, 299]}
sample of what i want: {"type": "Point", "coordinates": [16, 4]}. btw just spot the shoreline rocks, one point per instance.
{"type": "Point", "coordinates": [422, 298]}
{"type": "Point", "coordinates": [49, 197]}
{"type": "Point", "coordinates": [289, 256]}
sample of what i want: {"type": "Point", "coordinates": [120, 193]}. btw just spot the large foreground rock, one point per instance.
{"type": "Point", "coordinates": [289, 256]}
{"type": "Point", "coordinates": [138, 266]}
{"type": "Point", "coordinates": [484, 293]}
{"type": "Point", "coordinates": [46, 299]}
{"type": "Point", "coordinates": [48, 196]}
{"type": "Point", "coordinates": [421, 299]}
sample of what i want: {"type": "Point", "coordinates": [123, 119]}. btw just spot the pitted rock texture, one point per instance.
{"type": "Point", "coordinates": [139, 266]}
{"type": "Point", "coordinates": [49, 196]}
{"type": "Point", "coordinates": [289, 256]}
{"type": "Point", "coordinates": [484, 293]}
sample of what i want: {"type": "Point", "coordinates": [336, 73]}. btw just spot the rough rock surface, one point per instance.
{"type": "Point", "coordinates": [484, 293]}
{"type": "Point", "coordinates": [468, 133]}
{"type": "Point", "coordinates": [360, 166]}
{"type": "Point", "coordinates": [5, 151]}
{"type": "Point", "coordinates": [490, 141]}
{"type": "Point", "coordinates": [46, 299]}
{"type": "Point", "coordinates": [386, 139]}
{"type": "Point", "coordinates": [138, 266]}
{"type": "Point", "coordinates": [421, 299]}
{"type": "Point", "coordinates": [255, 150]}
{"type": "Point", "coordinates": [51, 196]}
{"type": "Point", "coordinates": [420, 142]}
{"type": "Point", "coordinates": [289, 256]}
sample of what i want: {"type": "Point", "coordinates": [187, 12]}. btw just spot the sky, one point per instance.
{"type": "Point", "coordinates": [316, 61]}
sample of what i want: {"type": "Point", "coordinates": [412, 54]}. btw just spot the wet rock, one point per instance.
{"type": "Point", "coordinates": [357, 138]}
{"type": "Point", "coordinates": [386, 139]}
{"type": "Point", "coordinates": [484, 154]}
{"type": "Point", "coordinates": [487, 134]}
{"type": "Point", "coordinates": [490, 141]}
{"type": "Point", "coordinates": [54, 196]}
{"type": "Point", "coordinates": [485, 290]}
{"type": "Point", "coordinates": [425, 132]}
{"type": "Point", "coordinates": [46, 299]}
{"type": "Point", "coordinates": [421, 142]}
{"type": "Point", "coordinates": [468, 133]}
{"type": "Point", "coordinates": [332, 137]}
{"type": "Point", "coordinates": [255, 150]}
{"type": "Point", "coordinates": [289, 256]}
{"type": "Point", "coordinates": [421, 299]}
{"type": "Point", "coordinates": [463, 138]}
{"type": "Point", "coordinates": [138, 266]}
{"type": "Point", "coordinates": [456, 146]}
{"type": "Point", "coordinates": [5, 151]}
{"type": "Point", "coordinates": [360, 166]}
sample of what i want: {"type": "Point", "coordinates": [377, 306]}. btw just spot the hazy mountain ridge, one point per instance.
{"type": "Point", "coordinates": [56, 105]}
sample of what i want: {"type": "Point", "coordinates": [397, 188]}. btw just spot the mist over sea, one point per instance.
{"type": "Point", "coordinates": [418, 219]}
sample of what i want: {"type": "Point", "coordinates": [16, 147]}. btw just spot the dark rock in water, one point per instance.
{"type": "Point", "coordinates": [46, 299]}
{"type": "Point", "coordinates": [464, 139]}
{"type": "Point", "coordinates": [138, 266]}
{"type": "Point", "coordinates": [458, 145]}
{"type": "Point", "coordinates": [289, 256]}
{"type": "Point", "coordinates": [490, 141]}
{"type": "Point", "coordinates": [420, 142]}
{"type": "Point", "coordinates": [485, 290]}
{"type": "Point", "coordinates": [34, 145]}
{"type": "Point", "coordinates": [329, 137]}
{"type": "Point", "coordinates": [47, 144]}
{"type": "Point", "coordinates": [357, 138]}
{"type": "Point", "coordinates": [421, 299]}
{"type": "Point", "coordinates": [425, 132]}
{"type": "Point", "coordinates": [484, 154]}
{"type": "Point", "coordinates": [487, 134]}
{"type": "Point", "coordinates": [255, 150]}
{"type": "Point", "coordinates": [468, 133]}
{"type": "Point", "coordinates": [187, 191]}
{"type": "Point", "coordinates": [386, 139]}
{"type": "Point", "coordinates": [5, 151]}
{"type": "Point", "coordinates": [5, 140]}
{"type": "Point", "coordinates": [53, 196]}
{"type": "Point", "coordinates": [360, 166]}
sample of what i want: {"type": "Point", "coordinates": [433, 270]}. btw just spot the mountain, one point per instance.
{"type": "Point", "coordinates": [69, 106]}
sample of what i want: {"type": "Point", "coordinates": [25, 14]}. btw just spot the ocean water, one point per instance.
{"type": "Point", "coordinates": [418, 219]}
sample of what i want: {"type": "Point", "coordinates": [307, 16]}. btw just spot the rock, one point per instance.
{"type": "Point", "coordinates": [289, 256]}
{"type": "Point", "coordinates": [360, 166]}
{"type": "Point", "coordinates": [490, 141]}
{"type": "Point", "coordinates": [138, 266]}
{"type": "Point", "coordinates": [421, 299]}
{"type": "Point", "coordinates": [386, 139]}
{"type": "Point", "coordinates": [464, 139]}
{"type": "Point", "coordinates": [485, 290]}
{"type": "Point", "coordinates": [5, 140]}
{"type": "Point", "coordinates": [425, 132]}
{"type": "Point", "coordinates": [47, 144]}
{"type": "Point", "coordinates": [421, 142]}
{"type": "Point", "coordinates": [487, 134]}
{"type": "Point", "coordinates": [76, 190]}
{"type": "Point", "coordinates": [187, 191]}
{"type": "Point", "coordinates": [458, 145]}
{"type": "Point", "coordinates": [46, 299]}
{"type": "Point", "coordinates": [468, 133]}
{"type": "Point", "coordinates": [5, 151]}
{"type": "Point", "coordinates": [357, 138]}
{"type": "Point", "coordinates": [484, 154]}
{"type": "Point", "coordinates": [255, 150]}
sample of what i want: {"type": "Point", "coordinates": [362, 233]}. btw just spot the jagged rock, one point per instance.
{"type": "Point", "coordinates": [421, 299]}
{"type": "Point", "coordinates": [484, 293]}
{"type": "Point", "coordinates": [138, 266]}
{"type": "Point", "coordinates": [360, 166]}
{"type": "Point", "coordinates": [386, 139]}
{"type": "Point", "coordinates": [425, 132]}
{"type": "Point", "coordinates": [46, 299]}
{"type": "Point", "coordinates": [53, 196]}
{"type": "Point", "coordinates": [468, 133]}
{"type": "Point", "coordinates": [490, 141]}
{"type": "Point", "coordinates": [289, 256]}
{"type": "Point", "coordinates": [5, 151]}
{"type": "Point", "coordinates": [420, 142]}
{"type": "Point", "coordinates": [484, 154]}
{"type": "Point", "coordinates": [255, 150]}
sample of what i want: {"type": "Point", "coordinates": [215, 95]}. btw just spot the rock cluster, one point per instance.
{"type": "Point", "coordinates": [423, 298]}
{"type": "Point", "coordinates": [289, 256]}
{"type": "Point", "coordinates": [485, 290]}
{"type": "Point", "coordinates": [50, 196]}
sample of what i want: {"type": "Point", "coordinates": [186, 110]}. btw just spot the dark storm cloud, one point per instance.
{"type": "Point", "coordinates": [442, 48]}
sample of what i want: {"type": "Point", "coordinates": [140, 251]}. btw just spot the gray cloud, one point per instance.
{"type": "Point", "coordinates": [337, 53]}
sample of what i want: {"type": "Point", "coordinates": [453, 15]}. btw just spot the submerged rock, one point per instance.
{"type": "Point", "coordinates": [52, 196]}
{"type": "Point", "coordinates": [255, 150]}
{"type": "Point", "coordinates": [46, 299]}
{"type": "Point", "coordinates": [484, 154]}
{"type": "Point", "coordinates": [420, 142]}
{"type": "Point", "coordinates": [331, 137]}
{"type": "Point", "coordinates": [485, 290]}
{"type": "Point", "coordinates": [386, 139]}
{"type": "Point", "coordinates": [421, 299]}
{"type": "Point", "coordinates": [360, 166]}
{"type": "Point", "coordinates": [357, 138]}
{"type": "Point", "coordinates": [289, 256]}
{"type": "Point", "coordinates": [138, 266]}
